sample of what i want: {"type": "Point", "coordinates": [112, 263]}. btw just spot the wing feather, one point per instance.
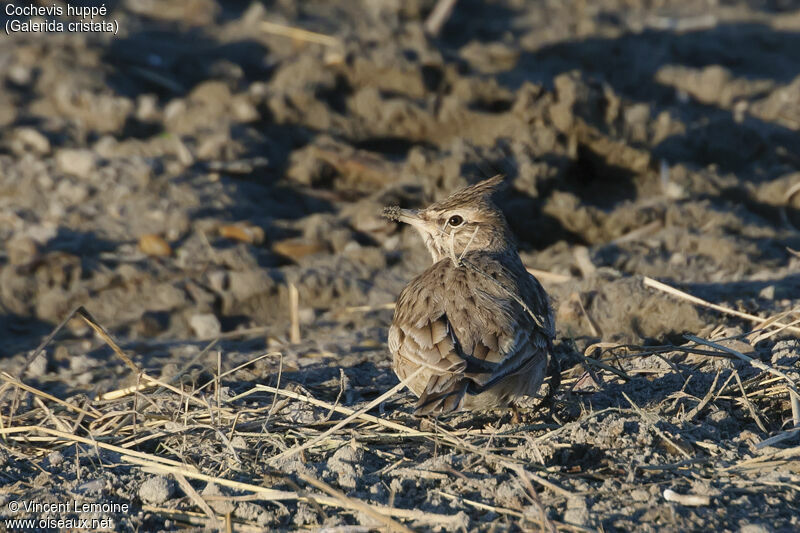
{"type": "Point", "coordinates": [497, 342]}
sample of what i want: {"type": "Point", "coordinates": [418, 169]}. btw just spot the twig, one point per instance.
{"type": "Point", "coordinates": [217, 378]}
{"type": "Point", "coordinates": [354, 503]}
{"type": "Point", "coordinates": [127, 360]}
{"type": "Point", "coordinates": [441, 12]}
{"type": "Point", "coordinates": [655, 428]}
{"type": "Point", "coordinates": [90, 442]}
{"type": "Point", "coordinates": [243, 365]}
{"type": "Point", "coordinates": [300, 34]}
{"type": "Point", "coordinates": [32, 357]}
{"type": "Point", "coordinates": [275, 395]}
{"type": "Point", "coordinates": [294, 314]}
{"type": "Point", "coordinates": [198, 518]}
{"type": "Point", "coordinates": [686, 499]}
{"type": "Point", "coordinates": [707, 398]}
{"type": "Point", "coordinates": [795, 399]}
{"type": "Point", "coordinates": [650, 282]}
{"type": "Point", "coordinates": [5, 376]}
{"type": "Point", "coordinates": [549, 277]}
{"type": "Point", "coordinates": [509, 512]}
{"type": "Point", "coordinates": [753, 362]}
{"type": "Point", "coordinates": [282, 495]}
{"type": "Point", "coordinates": [584, 262]}
{"type": "Point", "coordinates": [482, 506]}
{"type": "Point", "coordinates": [367, 308]}
{"type": "Point", "coordinates": [748, 403]}
{"type": "Point", "coordinates": [336, 408]}
{"type": "Point", "coordinates": [592, 326]}
{"type": "Point", "coordinates": [197, 499]}
{"type": "Point", "coordinates": [545, 522]}
{"type": "Point", "coordinates": [193, 360]}
{"type": "Point", "coordinates": [386, 395]}
{"type": "Point", "coordinates": [520, 470]}
{"type": "Point", "coordinates": [776, 331]}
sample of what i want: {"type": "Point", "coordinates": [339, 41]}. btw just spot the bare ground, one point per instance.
{"type": "Point", "coordinates": [176, 179]}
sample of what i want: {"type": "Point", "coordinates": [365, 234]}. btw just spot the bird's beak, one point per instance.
{"type": "Point", "coordinates": [409, 216]}
{"type": "Point", "coordinates": [412, 217]}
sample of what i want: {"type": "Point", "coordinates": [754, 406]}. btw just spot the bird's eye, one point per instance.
{"type": "Point", "coordinates": [455, 221]}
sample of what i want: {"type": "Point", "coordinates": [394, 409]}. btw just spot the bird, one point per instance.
{"type": "Point", "coordinates": [475, 330]}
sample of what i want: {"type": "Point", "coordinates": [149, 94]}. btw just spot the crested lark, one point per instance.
{"type": "Point", "coordinates": [476, 322]}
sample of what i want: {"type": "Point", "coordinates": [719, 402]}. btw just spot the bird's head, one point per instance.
{"type": "Point", "coordinates": [465, 221]}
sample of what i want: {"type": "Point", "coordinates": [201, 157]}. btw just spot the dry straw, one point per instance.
{"type": "Point", "coordinates": [179, 421]}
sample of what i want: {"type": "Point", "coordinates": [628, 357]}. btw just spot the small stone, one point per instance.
{"type": "Point", "coordinates": [296, 249]}
{"type": "Point", "coordinates": [156, 490]}
{"type": "Point", "coordinates": [205, 326]}
{"type": "Point", "coordinates": [20, 74]}
{"type": "Point", "coordinates": [249, 511]}
{"type": "Point", "coordinates": [304, 514]}
{"type": "Point", "coordinates": [351, 246]}
{"type": "Point", "coordinates": [239, 443]}
{"type": "Point", "coordinates": [38, 366]}
{"type": "Point", "coordinates": [754, 528]}
{"type": "Point", "coordinates": [154, 246]}
{"type": "Point", "coordinates": [391, 243]}
{"type": "Point", "coordinates": [21, 250]}
{"type": "Point", "coordinates": [55, 458]}
{"type": "Point", "coordinates": [767, 293]}
{"type": "Point", "coordinates": [307, 315]}
{"type": "Point", "coordinates": [347, 464]}
{"type": "Point", "coordinates": [71, 193]}
{"type": "Point", "coordinates": [80, 364]}
{"type": "Point", "coordinates": [147, 107]}
{"type": "Point", "coordinates": [243, 232]}
{"type": "Point", "coordinates": [218, 280]}
{"type": "Point", "coordinates": [243, 110]}
{"type": "Point", "coordinates": [221, 506]}
{"type": "Point", "coordinates": [577, 512]}
{"type": "Point", "coordinates": [94, 486]}
{"type": "Point", "coordinates": [43, 479]}
{"type": "Point", "coordinates": [79, 163]}
{"type": "Point", "coordinates": [29, 140]}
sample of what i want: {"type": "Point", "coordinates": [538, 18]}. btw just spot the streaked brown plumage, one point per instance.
{"type": "Point", "coordinates": [476, 321]}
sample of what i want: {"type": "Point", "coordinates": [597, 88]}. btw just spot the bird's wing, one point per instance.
{"type": "Point", "coordinates": [429, 345]}
{"type": "Point", "coordinates": [523, 341]}
{"type": "Point", "coordinates": [469, 351]}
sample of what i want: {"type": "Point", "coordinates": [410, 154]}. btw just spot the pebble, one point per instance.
{"type": "Point", "coordinates": [243, 232]}
{"type": "Point", "coordinates": [576, 517]}
{"type": "Point", "coordinates": [21, 250]}
{"type": "Point", "coordinates": [55, 458]}
{"type": "Point", "coordinates": [221, 506]}
{"type": "Point", "coordinates": [156, 490]}
{"type": "Point", "coordinates": [205, 326]}
{"type": "Point", "coordinates": [79, 163]}
{"type": "Point", "coordinates": [754, 528]}
{"type": "Point", "coordinates": [296, 249]}
{"type": "Point", "coordinates": [38, 366]}
{"type": "Point", "coordinates": [29, 140]}
{"type": "Point", "coordinates": [94, 486]}
{"type": "Point", "coordinates": [767, 293]}
{"type": "Point", "coordinates": [154, 246]}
